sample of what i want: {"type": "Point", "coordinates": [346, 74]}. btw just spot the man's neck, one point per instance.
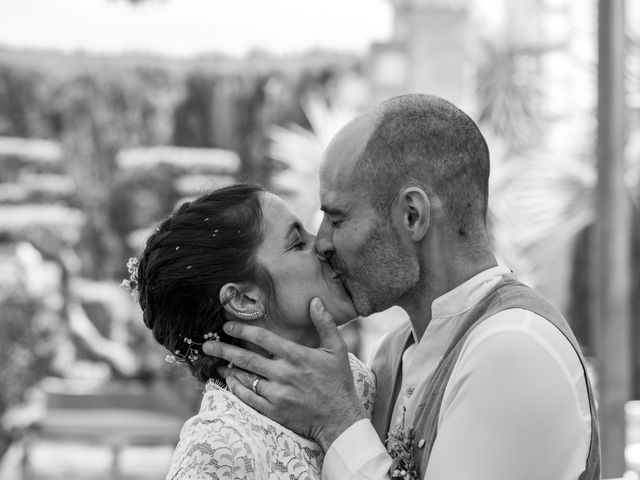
{"type": "Point", "coordinates": [417, 303]}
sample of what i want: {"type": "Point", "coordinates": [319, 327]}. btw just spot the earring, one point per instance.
{"type": "Point", "coordinates": [250, 316]}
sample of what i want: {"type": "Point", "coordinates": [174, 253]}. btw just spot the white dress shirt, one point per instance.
{"type": "Point", "coordinates": [515, 406]}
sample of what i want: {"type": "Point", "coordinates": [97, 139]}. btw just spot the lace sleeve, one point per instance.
{"type": "Point", "coordinates": [365, 383]}
{"type": "Point", "coordinates": [210, 450]}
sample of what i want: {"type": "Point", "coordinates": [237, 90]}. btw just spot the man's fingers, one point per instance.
{"type": "Point", "coordinates": [325, 325]}
{"type": "Point", "coordinates": [271, 342]}
{"type": "Point", "coordinates": [264, 389]}
{"type": "Point", "coordinates": [244, 377]}
{"type": "Point", "coordinates": [225, 372]}
{"type": "Point", "coordinates": [247, 396]}
{"type": "Point", "coordinates": [245, 359]}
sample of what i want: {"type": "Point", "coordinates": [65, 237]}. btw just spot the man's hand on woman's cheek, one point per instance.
{"type": "Point", "coordinates": [309, 390]}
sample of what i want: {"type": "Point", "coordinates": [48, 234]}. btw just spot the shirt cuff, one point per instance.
{"type": "Point", "coordinates": [355, 448]}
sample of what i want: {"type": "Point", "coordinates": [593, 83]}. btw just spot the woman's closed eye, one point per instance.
{"type": "Point", "coordinates": [299, 242]}
{"type": "Point", "coordinates": [298, 238]}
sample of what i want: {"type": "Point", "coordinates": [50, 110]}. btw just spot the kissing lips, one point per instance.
{"type": "Point", "coordinates": [331, 273]}
{"type": "Point", "coordinates": [338, 276]}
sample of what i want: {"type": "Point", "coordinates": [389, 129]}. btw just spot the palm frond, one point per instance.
{"type": "Point", "coordinates": [300, 151]}
{"type": "Point", "coordinates": [553, 200]}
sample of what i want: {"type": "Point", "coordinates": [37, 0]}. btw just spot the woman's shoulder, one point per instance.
{"type": "Point", "coordinates": [215, 444]}
{"type": "Point", "coordinates": [236, 441]}
{"type": "Point", "coordinates": [365, 383]}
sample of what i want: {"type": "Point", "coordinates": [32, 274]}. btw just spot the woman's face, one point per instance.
{"type": "Point", "coordinates": [298, 275]}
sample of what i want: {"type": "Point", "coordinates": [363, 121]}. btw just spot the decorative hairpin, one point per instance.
{"type": "Point", "coordinates": [131, 283]}
{"type": "Point", "coordinates": [193, 350]}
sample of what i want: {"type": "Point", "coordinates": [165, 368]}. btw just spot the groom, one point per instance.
{"type": "Point", "coordinates": [487, 373]}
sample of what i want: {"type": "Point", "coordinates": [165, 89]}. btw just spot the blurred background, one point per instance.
{"type": "Point", "coordinates": [112, 112]}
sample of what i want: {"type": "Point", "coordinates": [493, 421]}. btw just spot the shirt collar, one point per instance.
{"type": "Point", "coordinates": [466, 295]}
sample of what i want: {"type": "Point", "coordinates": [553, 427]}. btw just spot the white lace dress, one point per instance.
{"type": "Point", "coordinates": [228, 439]}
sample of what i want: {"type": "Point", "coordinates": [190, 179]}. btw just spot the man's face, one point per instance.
{"type": "Point", "coordinates": [363, 248]}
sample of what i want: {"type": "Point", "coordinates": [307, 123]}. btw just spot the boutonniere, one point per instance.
{"type": "Point", "coordinates": [400, 447]}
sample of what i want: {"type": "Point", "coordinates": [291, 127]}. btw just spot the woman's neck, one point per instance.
{"type": "Point", "coordinates": [305, 337]}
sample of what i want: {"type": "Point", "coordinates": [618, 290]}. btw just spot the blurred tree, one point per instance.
{"type": "Point", "coordinates": [97, 117]}
{"type": "Point", "coordinates": [234, 110]}
{"type": "Point", "coordinates": [192, 122]}
{"type": "Point", "coordinates": [23, 100]}
{"type": "Point", "coordinates": [141, 198]}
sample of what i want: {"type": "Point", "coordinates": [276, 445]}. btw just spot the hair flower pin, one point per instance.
{"type": "Point", "coordinates": [131, 283]}
{"type": "Point", "coordinates": [193, 349]}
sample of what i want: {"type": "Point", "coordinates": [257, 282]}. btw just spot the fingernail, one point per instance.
{"type": "Point", "coordinates": [221, 371]}
{"type": "Point", "coordinates": [317, 305]}
{"type": "Point", "coordinates": [228, 327]}
{"type": "Point", "coordinates": [209, 348]}
{"type": "Point", "coordinates": [231, 383]}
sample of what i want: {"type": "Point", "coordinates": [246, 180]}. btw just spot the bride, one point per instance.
{"type": "Point", "coordinates": [237, 253]}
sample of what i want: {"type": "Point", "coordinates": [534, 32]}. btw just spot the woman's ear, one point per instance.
{"type": "Point", "coordinates": [413, 209]}
{"type": "Point", "coordinates": [243, 300]}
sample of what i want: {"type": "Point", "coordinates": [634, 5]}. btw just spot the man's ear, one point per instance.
{"type": "Point", "coordinates": [242, 299]}
{"type": "Point", "coordinates": [413, 210]}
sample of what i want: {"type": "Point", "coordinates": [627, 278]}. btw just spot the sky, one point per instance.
{"type": "Point", "coordinates": [191, 27]}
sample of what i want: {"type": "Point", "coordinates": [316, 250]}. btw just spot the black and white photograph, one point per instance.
{"type": "Point", "coordinates": [319, 239]}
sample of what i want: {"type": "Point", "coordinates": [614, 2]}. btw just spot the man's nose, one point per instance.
{"type": "Point", "coordinates": [324, 243]}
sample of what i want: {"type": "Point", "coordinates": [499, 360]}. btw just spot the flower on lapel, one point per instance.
{"type": "Point", "coordinates": [400, 447]}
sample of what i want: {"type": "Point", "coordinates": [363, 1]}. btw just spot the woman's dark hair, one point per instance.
{"type": "Point", "coordinates": [202, 246]}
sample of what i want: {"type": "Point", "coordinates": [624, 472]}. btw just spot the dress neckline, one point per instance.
{"type": "Point", "coordinates": [217, 383]}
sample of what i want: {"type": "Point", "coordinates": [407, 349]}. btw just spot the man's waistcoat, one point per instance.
{"type": "Point", "coordinates": [509, 293]}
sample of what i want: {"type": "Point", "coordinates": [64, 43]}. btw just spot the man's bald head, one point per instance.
{"type": "Point", "coordinates": [344, 151]}
{"type": "Point", "coordinates": [425, 141]}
